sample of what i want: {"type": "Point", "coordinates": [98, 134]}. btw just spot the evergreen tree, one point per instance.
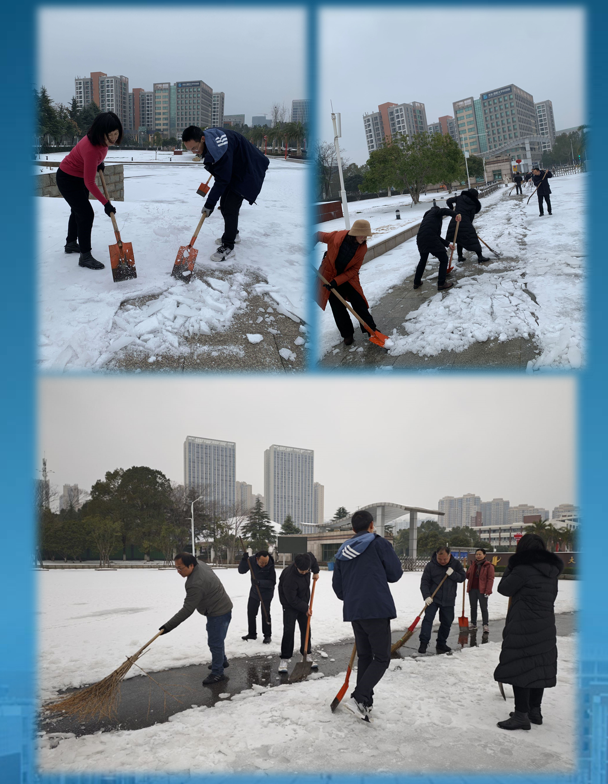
{"type": "Point", "coordinates": [47, 116]}
{"type": "Point", "coordinates": [341, 513]}
{"type": "Point", "coordinates": [86, 117]}
{"type": "Point", "coordinates": [258, 530]}
{"type": "Point", "coordinates": [289, 527]}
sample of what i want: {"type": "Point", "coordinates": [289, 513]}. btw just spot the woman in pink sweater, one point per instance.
{"type": "Point", "coordinates": [76, 179]}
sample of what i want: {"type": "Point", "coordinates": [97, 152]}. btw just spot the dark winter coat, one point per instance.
{"type": "Point", "coordinates": [235, 163]}
{"type": "Point", "coordinates": [486, 576]}
{"type": "Point", "coordinates": [545, 188]}
{"type": "Point", "coordinates": [467, 205]}
{"type": "Point", "coordinates": [429, 239]}
{"type": "Point", "coordinates": [434, 573]}
{"type": "Point", "coordinates": [334, 240]}
{"type": "Point", "coordinates": [204, 593]}
{"type": "Point", "coordinates": [518, 178]}
{"type": "Point", "coordinates": [529, 651]}
{"type": "Point", "coordinates": [364, 566]}
{"type": "Point", "coordinates": [294, 588]}
{"type": "Point", "coordinates": [266, 575]}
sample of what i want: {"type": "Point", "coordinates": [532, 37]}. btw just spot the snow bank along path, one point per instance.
{"type": "Point", "coordinates": [535, 293]}
{"type": "Point", "coordinates": [80, 323]}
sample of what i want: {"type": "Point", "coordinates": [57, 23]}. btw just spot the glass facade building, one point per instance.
{"type": "Point", "coordinates": [289, 484]}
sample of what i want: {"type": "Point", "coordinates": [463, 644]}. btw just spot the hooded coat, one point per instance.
{"type": "Point", "coordinates": [429, 239]}
{"type": "Point", "coordinates": [467, 205]}
{"type": "Point", "coordinates": [434, 573]}
{"type": "Point", "coordinates": [529, 640]}
{"type": "Point", "coordinates": [235, 163]}
{"type": "Point", "coordinates": [545, 188]}
{"type": "Point", "coordinates": [333, 240]}
{"type": "Point", "coordinates": [364, 566]}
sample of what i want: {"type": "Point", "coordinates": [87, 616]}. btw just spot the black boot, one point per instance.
{"type": "Point", "coordinates": [534, 714]}
{"type": "Point", "coordinates": [224, 665]}
{"type": "Point", "coordinates": [348, 341]}
{"type": "Point", "coordinates": [423, 647]}
{"type": "Point", "coordinates": [481, 259]}
{"type": "Point", "coordinates": [250, 637]}
{"type": "Point", "coordinates": [72, 247]}
{"type": "Point", "coordinates": [443, 648]}
{"type": "Point", "coordinates": [517, 721]}
{"type": "Point", "coordinates": [461, 258]}
{"type": "Point", "coordinates": [87, 260]}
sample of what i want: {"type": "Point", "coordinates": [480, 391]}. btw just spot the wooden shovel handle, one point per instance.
{"type": "Point", "coordinates": [450, 268]}
{"type": "Point", "coordinates": [105, 191]}
{"type": "Point", "coordinates": [312, 596]}
{"type": "Point", "coordinates": [344, 302]}
{"type": "Point", "coordinates": [196, 231]}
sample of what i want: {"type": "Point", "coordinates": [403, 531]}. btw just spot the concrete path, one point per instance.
{"type": "Point", "coordinates": [144, 703]}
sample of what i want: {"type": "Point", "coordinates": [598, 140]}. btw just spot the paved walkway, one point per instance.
{"type": "Point", "coordinates": [144, 703]}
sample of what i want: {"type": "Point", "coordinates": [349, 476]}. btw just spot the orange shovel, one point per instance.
{"type": "Point", "coordinates": [463, 621]}
{"type": "Point", "coordinates": [203, 189]}
{"type": "Point", "coordinates": [186, 257]}
{"type": "Point", "coordinates": [121, 254]}
{"type": "Point", "coordinates": [374, 335]}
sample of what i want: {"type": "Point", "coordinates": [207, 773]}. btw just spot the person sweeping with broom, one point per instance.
{"type": "Point", "coordinates": [363, 569]}
{"type": "Point", "coordinates": [340, 268]}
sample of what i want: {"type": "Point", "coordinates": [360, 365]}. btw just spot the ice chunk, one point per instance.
{"type": "Point", "coordinates": [255, 338]}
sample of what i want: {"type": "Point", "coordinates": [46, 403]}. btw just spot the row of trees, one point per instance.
{"type": "Point", "coordinates": [568, 148]}
{"type": "Point", "coordinates": [408, 164]}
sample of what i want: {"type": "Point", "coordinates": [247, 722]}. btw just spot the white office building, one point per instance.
{"type": "Point", "coordinates": [210, 468]}
{"type": "Point", "coordinates": [289, 484]}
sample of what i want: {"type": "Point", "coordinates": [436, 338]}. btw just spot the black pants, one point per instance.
{"type": "Point", "coordinates": [446, 618]}
{"type": "Point", "coordinates": [476, 596]}
{"type": "Point", "coordinates": [342, 315]}
{"type": "Point", "coordinates": [518, 188]}
{"type": "Point", "coordinates": [540, 204]}
{"type": "Point", "coordinates": [230, 205]}
{"type": "Point", "coordinates": [443, 265]}
{"type": "Point", "coordinates": [373, 639]}
{"type": "Point", "coordinates": [474, 248]}
{"type": "Point", "coordinates": [80, 224]}
{"type": "Point", "coordinates": [253, 605]}
{"type": "Point", "coordinates": [527, 698]}
{"type": "Point", "coordinates": [290, 616]}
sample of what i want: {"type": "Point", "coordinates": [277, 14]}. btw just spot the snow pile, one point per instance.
{"type": "Point", "coordinates": [435, 713]}
{"type": "Point", "coordinates": [85, 318]}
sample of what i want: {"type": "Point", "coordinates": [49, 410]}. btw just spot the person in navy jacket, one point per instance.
{"type": "Point", "coordinates": [238, 169]}
{"type": "Point", "coordinates": [364, 567]}
{"type": "Point", "coordinates": [442, 562]}
{"type": "Point", "coordinates": [263, 576]}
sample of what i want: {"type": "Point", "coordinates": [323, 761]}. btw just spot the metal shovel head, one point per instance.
{"type": "Point", "coordinates": [184, 263]}
{"type": "Point", "coordinates": [123, 262]}
{"type": "Point", "coordinates": [463, 638]}
{"type": "Point", "coordinates": [203, 189]}
{"type": "Point", "coordinates": [300, 671]}
{"type": "Point", "coordinates": [463, 622]}
{"type": "Point", "coordinates": [378, 338]}
{"type": "Point", "coordinates": [502, 691]}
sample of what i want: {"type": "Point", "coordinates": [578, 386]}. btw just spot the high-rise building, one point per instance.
{"type": "Point", "coordinates": [217, 109]}
{"type": "Point", "coordinates": [299, 110]}
{"type": "Point", "coordinates": [135, 122]}
{"type": "Point", "coordinates": [243, 497]}
{"type": "Point", "coordinates": [146, 111]}
{"type": "Point", "coordinates": [470, 126]}
{"type": "Point", "coordinates": [235, 120]}
{"type": "Point", "coordinates": [319, 503]}
{"type": "Point", "coordinates": [435, 128]}
{"type": "Point", "coordinates": [209, 468]}
{"type": "Point", "coordinates": [162, 108]}
{"type": "Point", "coordinates": [517, 513]}
{"type": "Point", "coordinates": [448, 126]}
{"type": "Point", "coordinates": [83, 90]}
{"type": "Point", "coordinates": [494, 512]}
{"type": "Point", "coordinates": [95, 77]}
{"type": "Point", "coordinates": [114, 96]}
{"type": "Point", "coordinates": [509, 114]}
{"type": "Point", "coordinates": [545, 123]}
{"type": "Point", "coordinates": [566, 513]}
{"type": "Point", "coordinates": [261, 119]}
{"type": "Point", "coordinates": [193, 105]}
{"type": "Point", "coordinates": [70, 498]}
{"type": "Point", "coordinates": [289, 483]}
{"type": "Point", "coordinates": [459, 511]}
{"type": "Point", "coordinates": [392, 119]}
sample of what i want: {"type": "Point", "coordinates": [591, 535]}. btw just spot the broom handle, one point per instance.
{"type": "Point", "coordinates": [344, 302]}
{"type": "Point", "coordinates": [105, 192]}
{"type": "Point", "coordinates": [312, 596]}
{"type": "Point", "coordinates": [135, 655]}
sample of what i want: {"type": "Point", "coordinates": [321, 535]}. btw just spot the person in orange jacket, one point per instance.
{"type": "Point", "coordinates": [340, 268]}
{"type": "Point", "coordinates": [480, 579]}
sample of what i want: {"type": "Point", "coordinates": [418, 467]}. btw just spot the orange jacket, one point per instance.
{"type": "Point", "coordinates": [486, 577]}
{"type": "Point", "coordinates": [333, 240]}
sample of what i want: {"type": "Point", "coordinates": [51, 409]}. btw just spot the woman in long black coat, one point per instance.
{"type": "Point", "coordinates": [528, 659]}
{"type": "Point", "coordinates": [467, 205]}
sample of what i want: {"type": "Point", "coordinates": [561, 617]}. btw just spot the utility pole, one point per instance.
{"type": "Point", "coordinates": [466, 155]}
{"type": "Point", "coordinates": [337, 134]}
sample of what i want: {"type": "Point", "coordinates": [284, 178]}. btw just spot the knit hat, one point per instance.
{"type": "Point", "coordinates": [361, 228]}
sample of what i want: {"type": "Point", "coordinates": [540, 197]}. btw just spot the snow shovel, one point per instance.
{"type": "Point", "coordinates": [498, 255]}
{"type": "Point", "coordinates": [450, 268]}
{"type": "Point", "coordinates": [121, 254]}
{"type": "Point", "coordinates": [304, 668]}
{"type": "Point", "coordinates": [374, 335]}
{"type": "Point", "coordinates": [186, 257]}
{"type": "Point", "coordinates": [463, 621]}
{"type": "Point", "coordinates": [203, 189]}
{"type": "Point", "coordinates": [410, 631]}
{"type": "Point", "coordinates": [256, 585]}
{"type": "Point", "coordinates": [537, 187]}
{"type": "Point", "coordinates": [338, 698]}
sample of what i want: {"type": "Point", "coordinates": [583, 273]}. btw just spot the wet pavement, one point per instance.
{"type": "Point", "coordinates": [145, 702]}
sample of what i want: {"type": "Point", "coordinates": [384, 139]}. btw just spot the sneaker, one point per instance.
{"type": "Point", "coordinates": [447, 285]}
{"type": "Point", "coordinates": [222, 253]}
{"type": "Point", "coordinates": [284, 665]}
{"type": "Point", "coordinates": [486, 628]}
{"type": "Point", "coordinates": [250, 637]}
{"type": "Point", "coordinates": [423, 647]}
{"type": "Point", "coordinates": [87, 260]}
{"type": "Point", "coordinates": [443, 648]}
{"type": "Point", "coordinates": [314, 665]}
{"type": "Point", "coordinates": [473, 626]}
{"type": "Point", "coordinates": [224, 665]}
{"type": "Point", "coordinates": [360, 710]}
{"type": "Point", "coordinates": [267, 640]}
{"type": "Point", "coordinates": [237, 239]}
{"type": "Point", "coordinates": [72, 247]}
{"type": "Point", "coordinates": [211, 679]}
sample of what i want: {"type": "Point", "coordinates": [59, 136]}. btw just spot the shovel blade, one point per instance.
{"type": "Point", "coordinates": [378, 338]}
{"type": "Point", "coordinates": [203, 189]}
{"type": "Point", "coordinates": [502, 691]}
{"type": "Point", "coordinates": [184, 263]}
{"type": "Point", "coordinates": [301, 671]}
{"type": "Point", "coordinates": [123, 262]}
{"type": "Point", "coordinates": [463, 622]}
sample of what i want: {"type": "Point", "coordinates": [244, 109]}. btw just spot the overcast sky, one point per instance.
{"type": "Point", "coordinates": [408, 440]}
{"type": "Point", "coordinates": [254, 55]}
{"type": "Point", "coordinates": [438, 56]}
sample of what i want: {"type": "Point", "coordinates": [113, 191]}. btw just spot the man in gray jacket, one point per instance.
{"type": "Point", "coordinates": [205, 593]}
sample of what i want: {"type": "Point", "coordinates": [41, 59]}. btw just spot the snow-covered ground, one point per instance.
{"type": "Point", "coordinates": [81, 322]}
{"type": "Point", "coordinates": [536, 292]}
{"type": "Point", "coordinates": [431, 714]}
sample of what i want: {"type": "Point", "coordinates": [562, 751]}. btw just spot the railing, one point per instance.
{"type": "Point", "coordinates": [413, 564]}
{"type": "Point", "coordinates": [486, 190]}
{"type": "Point", "coordinates": [562, 171]}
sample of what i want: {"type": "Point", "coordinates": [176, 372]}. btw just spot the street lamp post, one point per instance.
{"type": "Point", "coordinates": [192, 522]}
{"type": "Point", "coordinates": [466, 156]}
{"type": "Point", "coordinates": [337, 134]}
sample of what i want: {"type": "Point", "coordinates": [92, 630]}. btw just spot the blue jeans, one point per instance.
{"type": "Point", "coordinates": [446, 618]}
{"type": "Point", "coordinates": [217, 629]}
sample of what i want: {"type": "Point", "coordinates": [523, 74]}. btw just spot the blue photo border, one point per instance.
{"type": "Point", "coordinates": [18, 456]}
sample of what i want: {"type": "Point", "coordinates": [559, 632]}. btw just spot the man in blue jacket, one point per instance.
{"type": "Point", "coordinates": [238, 168]}
{"type": "Point", "coordinates": [364, 566]}
{"type": "Point", "coordinates": [263, 580]}
{"type": "Point", "coordinates": [442, 563]}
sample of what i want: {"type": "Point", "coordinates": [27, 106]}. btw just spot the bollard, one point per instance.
{"type": "Point", "coordinates": [398, 215]}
